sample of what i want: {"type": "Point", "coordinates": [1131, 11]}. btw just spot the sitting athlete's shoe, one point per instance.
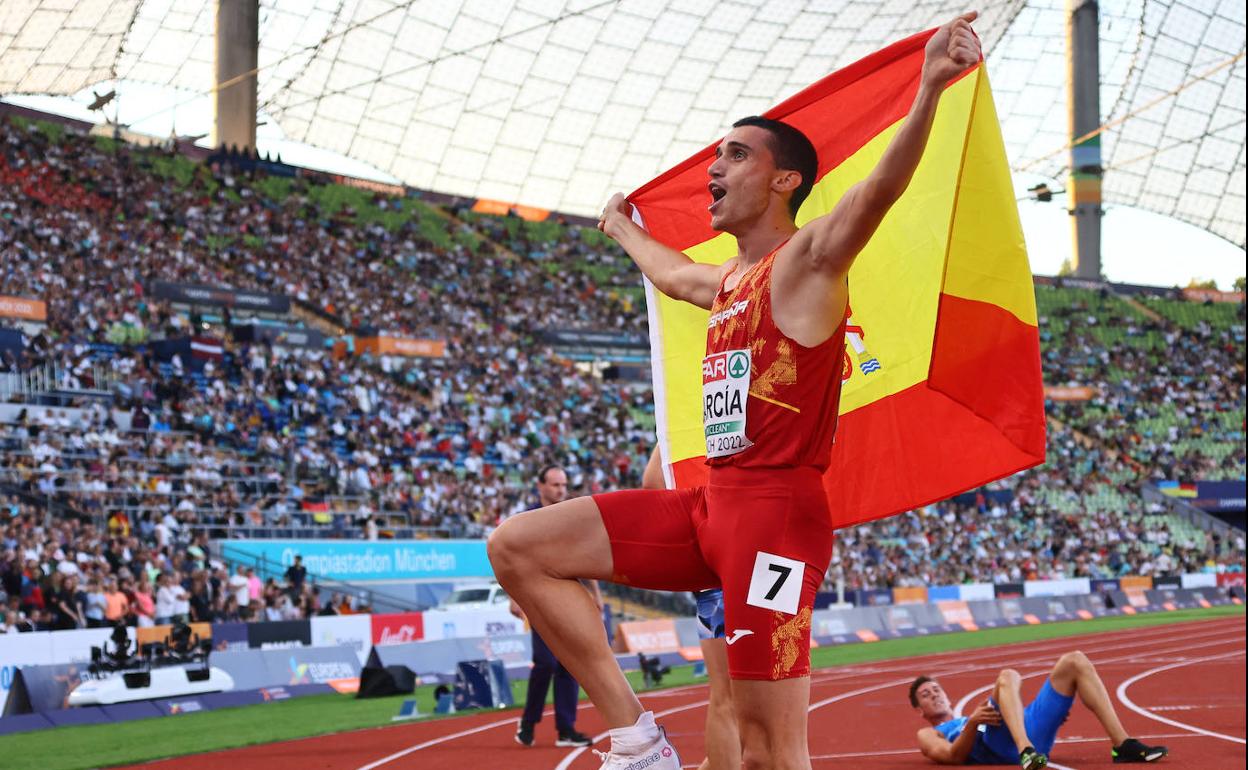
{"type": "Point", "coordinates": [524, 735]}
{"type": "Point", "coordinates": [1030, 759]}
{"type": "Point", "coordinates": [1132, 750]}
{"type": "Point", "coordinates": [573, 738]}
{"type": "Point", "coordinates": [660, 755]}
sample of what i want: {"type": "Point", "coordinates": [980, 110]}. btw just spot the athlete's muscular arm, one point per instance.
{"type": "Point", "coordinates": [834, 240]}
{"type": "Point", "coordinates": [671, 272]}
{"type": "Point", "coordinates": [936, 748]}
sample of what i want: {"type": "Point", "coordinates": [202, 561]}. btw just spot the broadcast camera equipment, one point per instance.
{"type": "Point", "coordinates": [119, 658]}
{"type": "Point", "coordinates": [652, 671]}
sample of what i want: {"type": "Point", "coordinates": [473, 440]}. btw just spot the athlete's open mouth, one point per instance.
{"type": "Point", "coordinates": [717, 194]}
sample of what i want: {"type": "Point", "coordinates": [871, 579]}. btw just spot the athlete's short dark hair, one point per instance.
{"type": "Point", "coordinates": [792, 151]}
{"type": "Point", "coordinates": [914, 689]}
{"type": "Point", "coordinates": [541, 475]}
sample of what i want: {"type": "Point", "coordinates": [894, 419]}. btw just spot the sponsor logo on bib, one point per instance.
{"type": "Point", "coordinates": [725, 391]}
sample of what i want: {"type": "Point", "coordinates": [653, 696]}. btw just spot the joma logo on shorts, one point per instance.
{"type": "Point", "coordinates": [734, 309]}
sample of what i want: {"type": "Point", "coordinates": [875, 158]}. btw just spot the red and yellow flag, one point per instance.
{"type": "Point", "coordinates": [942, 390]}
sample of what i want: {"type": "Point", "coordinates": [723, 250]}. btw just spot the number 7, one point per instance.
{"type": "Point", "coordinates": [784, 574]}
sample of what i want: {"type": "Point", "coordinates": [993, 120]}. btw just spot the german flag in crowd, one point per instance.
{"type": "Point", "coordinates": [942, 388]}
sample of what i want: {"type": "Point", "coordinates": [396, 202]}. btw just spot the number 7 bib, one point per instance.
{"type": "Point", "coordinates": [725, 391]}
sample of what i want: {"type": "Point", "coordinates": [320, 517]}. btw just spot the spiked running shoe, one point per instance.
{"type": "Point", "coordinates": [569, 738]}
{"type": "Point", "coordinates": [1132, 750]}
{"type": "Point", "coordinates": [1030, 759]}
{"type": "Point", "coordinates": [659, 755]}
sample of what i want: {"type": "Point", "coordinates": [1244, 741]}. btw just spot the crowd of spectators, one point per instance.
{"type": "Point", "coordinates": [267, 436]}
{"type": "Point", "coordinates": [1170, 397]}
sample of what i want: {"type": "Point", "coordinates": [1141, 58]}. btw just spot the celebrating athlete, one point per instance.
{"type": "Point", "coordinates": [1002, 731]}
{"type": "Point", "coordinates": [761, 527]}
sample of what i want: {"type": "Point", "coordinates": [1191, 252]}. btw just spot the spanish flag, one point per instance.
{"type": "Point", "coordinates": [942, 389]}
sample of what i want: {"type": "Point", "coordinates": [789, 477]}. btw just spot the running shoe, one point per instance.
{"type": "Point", "coordinates": [1030, 759]}
{"type": "Point", "coordinates": [659, 755]}
{"type": "Point", "coordinates": [569, 738]}
{"type": "Point", "coordinates": [1132, 750]}
{"type": "Point", "coordinates": [524, 735]}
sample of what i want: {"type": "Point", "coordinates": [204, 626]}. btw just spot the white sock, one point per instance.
{"type": "Point", "coordinates": [641, 735]}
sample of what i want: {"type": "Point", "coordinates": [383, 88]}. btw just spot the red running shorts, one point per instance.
{"type": "Point", "coordinates": [763, 535]}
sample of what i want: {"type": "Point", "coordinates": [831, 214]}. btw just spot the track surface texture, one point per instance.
{"type": "Point", "coordinates": [1181, 685]}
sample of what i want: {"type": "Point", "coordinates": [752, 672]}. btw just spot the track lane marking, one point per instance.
{"type": "Point", "coordinates": [1126, 700]}
{"type": "Point", "coordinates": [853, 671]}
{"type": "Point", "coordinates": [961, 705]}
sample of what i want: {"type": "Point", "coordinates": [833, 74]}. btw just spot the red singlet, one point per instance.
{"type": "Point", "coordinates": [794, 390]}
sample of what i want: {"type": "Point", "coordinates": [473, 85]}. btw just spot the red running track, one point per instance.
{"type": "Point", "coordinates": [1181, 685]}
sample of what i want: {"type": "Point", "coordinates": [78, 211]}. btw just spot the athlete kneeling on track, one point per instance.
{"type": "Point", "coordinates": [1003, 731]}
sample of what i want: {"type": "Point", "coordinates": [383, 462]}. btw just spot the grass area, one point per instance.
{"type": "Point", "coordinates": [128, 742]}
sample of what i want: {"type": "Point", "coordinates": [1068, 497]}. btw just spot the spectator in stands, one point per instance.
{"type": "Point", "coordinates": [66, 612]}
{"type": "Point", "coordinates": [238, 587]}
{"type": "Point", "coordinates": [8, 623]}
{"type": "Point", "coordinates": [143, 605]}
{"type": "Point", "coordinates": [199, 599]}
{"type": "Point", "coordinates": [95, 605]}
{"type": "Point", "coordinates": [117, 607]}
{"type": "Point", "coordinates": [169, 598]}
{"type": "Point", "coordinates": [442, 443]}
{"type": "Point", "coordinates": [295, 575]}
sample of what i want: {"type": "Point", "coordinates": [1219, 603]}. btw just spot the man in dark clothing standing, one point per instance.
{"type": "Point", "coordinates": [552, 487]}
{"type": "Point", "coordinates": [295, 575]}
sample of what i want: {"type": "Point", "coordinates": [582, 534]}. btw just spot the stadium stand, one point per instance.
{"type": "Point", "coordinates": [252, 438]}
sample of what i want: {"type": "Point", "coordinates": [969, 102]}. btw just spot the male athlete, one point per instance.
{"type": "Point", "coordinates": [1002, 731]}
{"type": "Point", "coordinates": [552, 488]}
{"type": "Point", "coordinates": [761, 527]}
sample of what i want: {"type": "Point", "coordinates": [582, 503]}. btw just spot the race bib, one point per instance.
{"type": "Point", "coordinates": [725, 390]}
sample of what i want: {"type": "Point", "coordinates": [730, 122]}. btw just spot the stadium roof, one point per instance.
{"type": "Point", "coordinates": [557, 103]}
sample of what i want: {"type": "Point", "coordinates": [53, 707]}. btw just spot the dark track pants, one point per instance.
{"type": "Point", "coordinates": [567, 691]}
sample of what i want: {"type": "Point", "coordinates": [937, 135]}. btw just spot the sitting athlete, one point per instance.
{"type": "Point", "coordinates": [761, 528]}
{"type": "Point", "coordinates": [1002, 731]}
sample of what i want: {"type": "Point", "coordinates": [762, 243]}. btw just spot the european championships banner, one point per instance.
{"type": "Point", "coordinates": [942, 388]}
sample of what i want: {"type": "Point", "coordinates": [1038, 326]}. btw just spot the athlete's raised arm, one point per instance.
{"type": "Point", "coordinates": [833, 241]}
{"type": "Point", "coordinates": [669, 270]}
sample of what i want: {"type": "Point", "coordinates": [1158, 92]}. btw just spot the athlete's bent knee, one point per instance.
{"type": "Point", "coordinates": [1076, 660]}
{"type": "Point", "coordinates": [1008, 676]}
{"type": "Point", "coordinates": [505, 557]}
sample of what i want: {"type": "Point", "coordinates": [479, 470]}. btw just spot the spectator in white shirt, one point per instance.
{"type": "Point", "coordinates": [170, 598]}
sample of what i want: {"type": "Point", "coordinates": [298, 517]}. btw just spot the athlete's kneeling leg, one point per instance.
{"type": "Point", "coordinates": [539, 557]}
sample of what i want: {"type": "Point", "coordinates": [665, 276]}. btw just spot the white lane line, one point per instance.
{"type": "Point", "coordinates": [436, 741]}
{"type": "Point", "coordinates": [966, 699]}
{"type": "Point", "coordinates": [1011, 651]}
{"type": "Point", "coordinates": [847, 672]}
{"type": "Point", "coordinates": [1126, 701]}
{"type": "Point", "coordinates": [895, 683]}
{"type": "Point", "coordinates": [567, 761]}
